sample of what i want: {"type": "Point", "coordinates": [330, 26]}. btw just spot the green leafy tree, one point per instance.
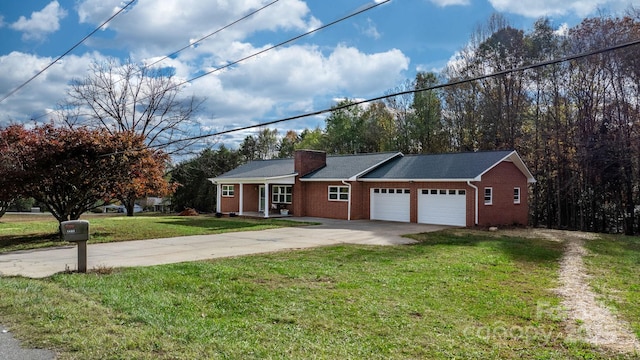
{"type": "Point", "coordinates": [194, 189]}
{"type": "Point", "coordinates": [344, 129]}
{"type": "Point", "coordinates": [311, 140]}
{"type": "Point", "coordinates": [287, 145]}
{"type": "Point", "coordinates": [426, 128]}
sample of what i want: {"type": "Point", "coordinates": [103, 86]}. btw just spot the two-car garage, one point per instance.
{"type": "Point", "coordinates": [434, 206]}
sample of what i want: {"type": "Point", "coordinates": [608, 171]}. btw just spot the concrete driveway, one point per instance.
{"type": "Point", "coordinates": [46, 262]}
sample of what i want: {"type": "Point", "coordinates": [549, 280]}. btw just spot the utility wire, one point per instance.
{"type": "Point", "coordinates": [355, 13]}
{"type": "Point", "coordinates": [358, 12]}
{"type": "Point", "coordinates": [439, 86]}
{"type": "Point", "coordinates": [211, 34]}
{"type": "Point", "coordinates": [187, 46]}
{"type": "Point", "coordinates": [66, 52]}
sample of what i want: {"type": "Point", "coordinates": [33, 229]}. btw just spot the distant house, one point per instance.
{"type": "Point", "coordinates": [459, 189]}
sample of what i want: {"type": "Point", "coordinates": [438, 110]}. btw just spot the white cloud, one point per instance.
{"type": "Point", "coordinates": [285, 81]}
{"type": "Point", "coordinates": [370, 30]}
{"type": "Point", "coordinates": [580, 8]}
{"type": "Point", "coordinates": [45, 91]}
{"type": "Point", "coordinates": [41, 22]}
{"type": "Point", "coordinates": [164, 26]}
{"type": "Point", "coordinates": [563, 30]}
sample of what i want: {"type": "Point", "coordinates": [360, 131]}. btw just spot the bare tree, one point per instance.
{"type": "Point", "coordinates": [135, 98]}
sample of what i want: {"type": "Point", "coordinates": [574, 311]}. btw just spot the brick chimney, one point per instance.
{"type": "Point", "coordinates": [306, 161]}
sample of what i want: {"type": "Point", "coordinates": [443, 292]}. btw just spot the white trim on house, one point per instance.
{"type": "Point", "coordinates": [284, 180]}
{"type": "Point", "coordinates": [357, 176]}
{"type": "Point", "coordinates": [514, 158]}
{"type": "Point", "coordinates": [416, 180]}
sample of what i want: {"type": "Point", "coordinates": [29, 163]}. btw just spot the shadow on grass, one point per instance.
{"type": "Point", "coordinates": [215, 224]}
{"type": "Point", "coordinates": [517, 248]}
{"type": "Point", "coordinates": [14, 240]}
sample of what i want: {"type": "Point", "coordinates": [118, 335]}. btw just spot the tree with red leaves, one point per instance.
{"type": "Point", "coordinates": [72, 171]}
{"type": "Point", "coordinates": [9, 186]}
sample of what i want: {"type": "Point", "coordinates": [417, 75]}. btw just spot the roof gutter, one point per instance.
{"type": "Point", "coordinates": [475, 214]}
{"type": "Point", "coordinates": [349, 202]}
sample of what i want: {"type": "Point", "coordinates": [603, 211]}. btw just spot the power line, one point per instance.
{"type": "Point", "coordinates": [435, 87]}
{"type": "Point", "coordinates": [66, 52]}
{"type": "Point", "coordinates": [211, 34]}
{"type": "Point", "coordinates": [295, 38]}
{"type": "Point", "coordinates": [363, 9]}
{"type": "Point", "coordinates": [187, 46]}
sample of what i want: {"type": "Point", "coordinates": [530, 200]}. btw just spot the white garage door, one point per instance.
{"type": "Point", "coordinates": [442, 207]}
{"type": "Point", "coordinates": [390, 204]}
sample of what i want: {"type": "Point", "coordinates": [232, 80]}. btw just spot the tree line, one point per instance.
{"type": "Point", "coordinates": [575, 123]}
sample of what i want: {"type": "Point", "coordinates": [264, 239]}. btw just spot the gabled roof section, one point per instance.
{"type": "Point", "coordinates": [349, 167]}
{"type": "Point", "coordinates": [441, 167]}
{"type": "Point", "coordinates": [260, 169]}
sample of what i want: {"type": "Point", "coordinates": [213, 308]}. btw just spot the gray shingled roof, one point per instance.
{"type": "Point", "coordinates": [261, 169]}
{"type": "Point", "coordinates": [384, 166]}
{"type": "Point", "coordinates": [439, 166]}
{"type": "Point", "coordinates": [347, 166]}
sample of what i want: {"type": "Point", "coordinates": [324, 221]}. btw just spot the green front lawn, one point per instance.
{"type": "Point", "coordinates": [42, 231]}
{"type": "Point", "coordinates": [614, 266]}
{"type": "Point", "coordinates": [467, 296]}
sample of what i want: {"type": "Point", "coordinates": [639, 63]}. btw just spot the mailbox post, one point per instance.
{"type": "Point", "coordinates": [77, 231]}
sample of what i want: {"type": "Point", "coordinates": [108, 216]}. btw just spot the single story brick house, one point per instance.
{"type": "Point", "coordinates": [460, 189]}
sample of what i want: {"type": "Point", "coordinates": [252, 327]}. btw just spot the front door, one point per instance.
{"type": "Point", "coordinates": [262, 198]}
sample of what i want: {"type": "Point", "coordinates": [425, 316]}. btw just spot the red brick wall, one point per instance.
{"type": "Point", "coordinates": [306, 161]}
{"type": "Point", "coordinates": [231, 204]}
{"type": "Point", "coordinates": [315, 201]}
{"type": "Point", "coordinates": [503, 178]}
{"type": "Point", "coordinates": [250, 197]}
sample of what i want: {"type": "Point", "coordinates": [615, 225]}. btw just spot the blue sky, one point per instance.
{"type": "Point", "coordinates": [362, 57]}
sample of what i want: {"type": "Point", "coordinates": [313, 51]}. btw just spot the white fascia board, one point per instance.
{"type": "Point", "coordinates": [356, 176]}
{"type": "Point", "coordinates": [283, 179]}
{"type": "Point", "coordinates": [418, 180]}
{"type": "Point", "coordinates": [324, 180]}
{"type": "Point", "coordinates": [517, 161]}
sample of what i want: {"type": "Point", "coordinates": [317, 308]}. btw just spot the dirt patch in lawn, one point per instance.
{"type": "Point", "coordinates": [587, 318]}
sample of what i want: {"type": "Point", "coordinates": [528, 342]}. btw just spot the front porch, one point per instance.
{"type": "Point", "coordinates": [251, 199]}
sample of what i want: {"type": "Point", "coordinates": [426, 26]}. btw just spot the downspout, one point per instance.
{"type": "Point", "coordinates": [476, 210]}
{"type": "Point", "coordinates": [349, 200]}
{"type": "Point", "coordinates": [218, 198]}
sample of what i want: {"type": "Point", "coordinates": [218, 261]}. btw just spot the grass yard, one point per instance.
{"type": "Point", "coordinates": [464, 295]}
{"type": "Point", "coordinates": [38, 231]}
{"type": "Point", "coordinates": [614, 264]}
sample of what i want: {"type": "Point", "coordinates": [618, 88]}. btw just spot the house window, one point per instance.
{"type": "Point", "coordinates": [339, 193]}
{"type": "Point", "coordinates": [488, 196]}
{"type": "Point", "coordinates": [227, 190]}
{"type": "Point", "coordinates": [516, 195]}
{"type": "Point", "coordinates": [281, 194]}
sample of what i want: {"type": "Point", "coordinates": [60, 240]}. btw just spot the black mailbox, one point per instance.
{"type": "Point", "coordinates": [75, 230]}
{"type": "Point", "coordinates": [78, 232]}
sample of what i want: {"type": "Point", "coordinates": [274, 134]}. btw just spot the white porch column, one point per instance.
{"type": "Point", "coordinates": [241, 198]}
{"type": "Point", "coordinates": [266, 200]}
{"type": "Point", "coordinates": [219, 198]}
